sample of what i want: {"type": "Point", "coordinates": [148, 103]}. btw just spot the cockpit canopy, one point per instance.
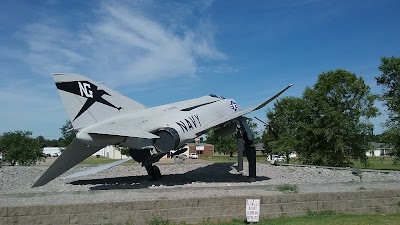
{"type": "Point", "coordinates": [216, 96]}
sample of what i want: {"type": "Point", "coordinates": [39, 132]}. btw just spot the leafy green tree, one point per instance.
{"type": "Point", "coordinates": [211, 138]}
{"type": "Point", "coordinates": [336, 129]}
{"type": "Point", "coordinates": [41, 140]}
{"type": "Point", "coordinates": [51, 143]}
{"type": "Point", "coordinates": [224, 144]}
{"type": "Point", "coordinates": [68, 134]}
{"type": "Point", "coordinates": [266, 137]}
{"type": "Point", "coordinates": [286, 121]}
{"type": "Point", "coordinates": [256, 132]}
{"type": "Point", "coordinates": [123, 150]}
{"type": "Point", "coordinates": [19, 147]}
{"type": "Point", "coordinates": [390, 82]}
{"type": "Point", "coordinates": [375, 138]}
{"type": "Point", "coordinates": [228, 143]}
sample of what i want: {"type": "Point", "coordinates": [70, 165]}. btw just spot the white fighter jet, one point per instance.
{"type": "Point", "coordinates": [104, 117]}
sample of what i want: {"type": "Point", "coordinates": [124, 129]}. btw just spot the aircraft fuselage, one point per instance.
{"type": "Point", "coordinates": [187, 118]}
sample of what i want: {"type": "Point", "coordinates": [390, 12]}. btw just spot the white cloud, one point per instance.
{"type": "Point", "coordinates": [130, 42]}
{"type": "Point", "coordinates": [124, 41]}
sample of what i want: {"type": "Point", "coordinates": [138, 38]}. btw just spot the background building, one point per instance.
{"type": "Point", "coordinates": [203, 150]}
{"type": "Point", "coordinates": [379, 149]}
{"type": "Point", "coordinates": [50, 151]}
{"type": "Point", "coordinates": [110, 152]}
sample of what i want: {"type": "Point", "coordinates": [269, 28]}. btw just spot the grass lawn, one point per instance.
{"type": "Point", "coordinates": [226, 158]}
{"type": "Point", "coordinates": [326, 218]}
{"type": "Point", "coordinates": [98, 160]}
{"type": "Point", "coordinates": [93, 160]}
{"type": "Point", "coordinates": [378, 163]}
{"type": "Point", "coordinates": [330, 218]}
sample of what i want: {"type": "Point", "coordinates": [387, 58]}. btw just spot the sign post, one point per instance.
{"type": "Point", "coordinates": [252, 210]}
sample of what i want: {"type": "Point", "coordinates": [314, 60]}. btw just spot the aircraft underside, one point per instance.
{"type": "Point", "coordinates": [147, 157]}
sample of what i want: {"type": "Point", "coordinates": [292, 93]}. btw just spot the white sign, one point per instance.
{"type": "Point", "coordinates": [200, 148]}
{"type": "Point", "coordinates": [252, 210]}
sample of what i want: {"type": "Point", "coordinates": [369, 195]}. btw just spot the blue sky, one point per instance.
{"type": "Point", "coordinates": [158, 52]}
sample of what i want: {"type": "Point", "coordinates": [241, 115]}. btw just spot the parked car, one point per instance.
{"type": "Point", "coordinates": [281, 159]}
{"type": "Point", "coordinates": [276, 158]}
{"type": "Point", "coordinates": [193, 156]}
{"type": "Point", "coordinates": [55, 154]}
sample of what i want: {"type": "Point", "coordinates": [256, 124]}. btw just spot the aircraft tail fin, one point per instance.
{"type": "Point", "coordinates": [88, 102]}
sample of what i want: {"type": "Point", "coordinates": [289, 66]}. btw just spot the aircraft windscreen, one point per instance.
{"type": "Point", "coordinates": [217, 96]}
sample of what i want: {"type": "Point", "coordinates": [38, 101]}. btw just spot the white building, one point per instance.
{"type": "Point", "coordinates": [110, 152]}
{"type": "Point", "coordinates": [51, 150]}
{"type": "Point", "coordinates": [379, 149]}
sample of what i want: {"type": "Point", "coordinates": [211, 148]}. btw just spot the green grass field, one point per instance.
{"type": "Point", "coordinates": [326, 218]}
{"type": "Point", "coordinates": [379, 163]}
{"type": "Point", "coordinates": [98, 160]}
{"type": "Point", "coordinates": [226, 158]}
{"type": "Point", "coordinates": [93, 160]}
{"type": "Point", "coordinates": [330, 218]}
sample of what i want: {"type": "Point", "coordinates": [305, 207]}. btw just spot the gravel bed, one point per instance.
{"type": "Point", "coordinates": [127, 183]}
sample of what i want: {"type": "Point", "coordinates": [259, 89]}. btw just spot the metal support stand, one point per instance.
{"type": "Point", "coordinates": [240, 145]}
{"type": "Point", "coordinates": [251, 157]}
{"type": "Point", "coordinates": [244, 137]}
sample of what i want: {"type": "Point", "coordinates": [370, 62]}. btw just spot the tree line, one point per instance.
{"type": "Point", "coordinates": [19, 147]}
{"type": "Point", "coordinates": [330, 123]}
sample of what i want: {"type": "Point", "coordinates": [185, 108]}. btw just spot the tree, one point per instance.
{"type": "Point", "coordinates": [285, 121]}
{"type": "Point", "coordinates": [253, 127]}
{"type": "Point", "coordinates": [227, 144]}
{"type": "Point", "coordinates": [224, 144]}
{"type": "Point", "coordinates": [266, 137]}
{"type": "Point", "coordinates": [19, 147]}
{"type": "Point", "coordinates": [51, 143]}
{"type": "Point", "coordinates": [41, 140]}
{"type": "Point", "coordinates": [390, 82]}
{"type": "Point", "coordinates": [68, 134]}
{"type": "Point", "coordinates": [123, 150]}
{"type": "Point", "coordinates": [336, 129]}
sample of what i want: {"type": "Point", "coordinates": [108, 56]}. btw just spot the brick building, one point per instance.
{"type": "Point", "coordinates": [204, 150]}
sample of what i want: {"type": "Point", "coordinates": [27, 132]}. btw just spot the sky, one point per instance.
{"type": "Point", "coordinates": [158, 52]}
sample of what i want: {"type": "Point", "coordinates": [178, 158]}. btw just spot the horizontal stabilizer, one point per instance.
{"type": "Point", "coordinates": [124, 131]}
{"type": "Point", "coordinates": [96, 169]}
{"type": "Point", "coordinates": [75, 153]}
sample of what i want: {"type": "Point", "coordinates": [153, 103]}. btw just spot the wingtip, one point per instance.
{"type": "Point", "coordinates": [64, 74]}
{"type": "Point", "coordinates": [36, 185]}
{"type": "Point", "coordinates": [291, 85]}
{"type": "Point", "coordinates": [41, 181]}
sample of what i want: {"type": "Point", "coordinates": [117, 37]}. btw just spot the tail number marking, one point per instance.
{"type": "Point", "coordinates": [189, 123]}
{"type": "Point", "coordinates": [85, 90]}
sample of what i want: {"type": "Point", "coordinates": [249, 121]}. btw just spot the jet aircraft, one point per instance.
{"type": "Point", "coordinates": [105, 117]}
